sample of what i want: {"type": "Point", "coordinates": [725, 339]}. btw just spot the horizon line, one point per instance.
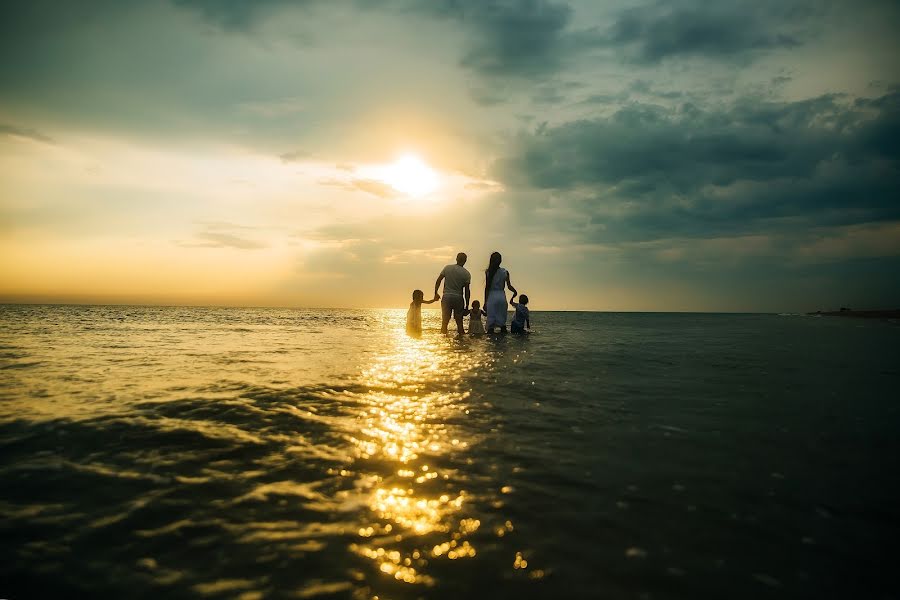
{"type": "Point", "coordinates": [6, 302]}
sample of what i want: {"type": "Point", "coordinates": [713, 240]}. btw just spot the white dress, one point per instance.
{"type": "Point", "coordinates": [495, 304]}
{"type": "Point", "coordinates": [475, 326]}
{"type": "Point", "coordinates": [414, 319]}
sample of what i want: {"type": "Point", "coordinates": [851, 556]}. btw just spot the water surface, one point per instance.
{"type": "Point", "coordinates": [271, 453]}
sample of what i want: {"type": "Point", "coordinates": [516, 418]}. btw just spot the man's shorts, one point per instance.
{"type": "Point", "coordinates": [452, 304]}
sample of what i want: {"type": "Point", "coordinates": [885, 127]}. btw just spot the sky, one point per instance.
{"type": "Point", "coordinates": [627, 155]}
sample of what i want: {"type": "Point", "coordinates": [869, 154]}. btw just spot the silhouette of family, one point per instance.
{"type": "Point", "coordinates": [456, 299]}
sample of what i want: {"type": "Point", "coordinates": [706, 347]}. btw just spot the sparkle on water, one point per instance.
{"type": "Point", "coordinates": [407, 429]}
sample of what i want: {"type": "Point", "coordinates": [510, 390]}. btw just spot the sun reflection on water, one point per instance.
{"type": "Point", "coordinates": [406, 443]}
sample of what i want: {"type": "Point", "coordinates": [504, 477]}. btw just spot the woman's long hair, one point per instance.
{"type": "Point", "coordinates": [493, 265]}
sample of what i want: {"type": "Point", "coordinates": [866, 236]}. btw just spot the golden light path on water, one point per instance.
{"type": "Point", "coordinates": [404, 433]}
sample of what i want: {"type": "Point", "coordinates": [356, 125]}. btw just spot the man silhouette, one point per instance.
{"type": "Point", "coordinates": [456, 292]}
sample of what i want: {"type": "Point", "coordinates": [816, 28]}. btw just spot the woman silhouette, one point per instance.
{"type": "Point", "coordinates": [496, 278]}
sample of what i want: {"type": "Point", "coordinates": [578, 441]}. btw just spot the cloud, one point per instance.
{"type": "Point", "coordinates": [430, 256]}
{"type": "Point", "coordinates": [336, 258]}
{"type": "Point", "coordinates": [223, 235]}
{"type": "Point", "coordinates": [819, 245]}
{"type": "Point", "coordinates": [228, 240]}
{"type": "Point", "coordinates": [857, 241]}
{"type": "Point", "coordinates": [647, 170]}
{"type": "Point", "coordinates": [480, 186]}
{"type": "Point", "coordinates": [728, 29]}
{"type": "Point", "coordinates": [374, 187]}
{"type": "Point", "coordinates": [510, 37]}
{"type": "Point", "coordinates": [25, 132]}
{"type": "Point", "coordinates": [358, 184]}
{"type": "Point", "coordinates": [295, 156]}
{"type": "Point", "coordinates": [505, 37]}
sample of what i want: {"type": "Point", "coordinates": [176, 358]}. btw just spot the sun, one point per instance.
{"type": "Point", "coordinates": [411, 176]}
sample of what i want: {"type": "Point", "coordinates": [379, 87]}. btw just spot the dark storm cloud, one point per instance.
{"type": "Point", "coordinates": [506, 37]}
{"type": "Point", "coordinates": [652, 170]}
{"type": "Point", "coordinates": [528, 38]}
{"type": "Point", "coordinates": [725, 29]}
{"type": "Point", "coordinates": [509, 37]}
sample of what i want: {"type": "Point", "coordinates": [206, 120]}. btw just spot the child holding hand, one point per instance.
{"type": "Point", "coordinates": [522, 319]}
{"type": "Point", "coordinates": [414, 314]}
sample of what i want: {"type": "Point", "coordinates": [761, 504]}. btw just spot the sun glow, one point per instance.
{"type": "Point", "coordinates": [411, 176]}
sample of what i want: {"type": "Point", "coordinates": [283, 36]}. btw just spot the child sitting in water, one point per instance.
{"type": "Point", "coordinates": [414, 314]}
{"type": "Point", "coordinates": [475, 314]}
{"type": "Point", "coordinates": [522, 318]}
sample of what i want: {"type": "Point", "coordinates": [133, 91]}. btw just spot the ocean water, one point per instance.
{"type": "Point", "coordinates": [153, 452]}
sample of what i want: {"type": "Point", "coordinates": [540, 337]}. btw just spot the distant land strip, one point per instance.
{"type": "Point", "coordinates": [865, 314]}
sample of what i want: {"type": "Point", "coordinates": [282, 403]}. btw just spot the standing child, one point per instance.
{"type": "Point", "coordinates": [414, 314]}
{"type": "Point", "coordinates": [475, 314]}
{"type": "Point", "coordinates": [522, 318]}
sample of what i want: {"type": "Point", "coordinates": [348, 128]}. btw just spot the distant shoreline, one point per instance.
{"type": "Point", "coordinates": [864, 314]}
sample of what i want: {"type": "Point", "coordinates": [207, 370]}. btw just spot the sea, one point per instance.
{"type": "Point", "coordinates": [251, 453]}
